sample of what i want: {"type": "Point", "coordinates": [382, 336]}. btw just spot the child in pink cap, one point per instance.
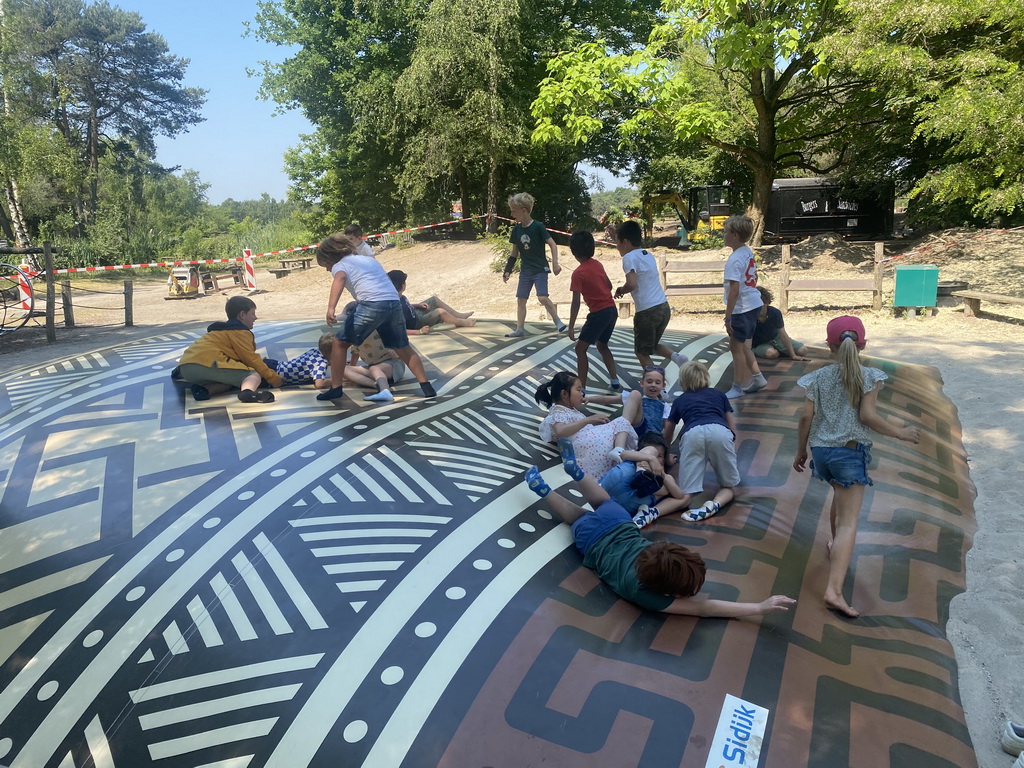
{"type": "Point", "coordinates": [838, 418]}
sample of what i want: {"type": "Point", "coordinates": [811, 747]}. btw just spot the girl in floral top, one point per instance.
{"type": "Point", "coordinates": [838, 417]}
{"type": "Point", "coordinates": [593, 437]}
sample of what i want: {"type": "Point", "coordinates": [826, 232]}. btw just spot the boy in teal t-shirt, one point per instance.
{"type": "Point", "coordinates": [529, 238]}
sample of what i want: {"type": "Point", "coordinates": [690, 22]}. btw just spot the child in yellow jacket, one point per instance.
{"type": "Point", "coordinates": [225, 358]}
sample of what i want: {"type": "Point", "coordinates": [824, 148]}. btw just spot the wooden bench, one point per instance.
{"type": "Point", "coordinates": [279, 273]}
{"type": "Point", "coordinates": [212, 282]}
{"type": "Point", "coordinates": [973, 299]}
{"type": "Point", "coordinates": [872, 284]}
{"type": "Point", "coordinates": [673, 286]}
{"type": "Point", "coordinates": [625, 306]}
{"type": "Point", "coordinates": [300, 263]}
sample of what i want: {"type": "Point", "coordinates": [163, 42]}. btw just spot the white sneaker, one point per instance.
{"type": "Point", "coordinates": [1012, 738]}
{"type": "Point", "coordinates": [734, 392]}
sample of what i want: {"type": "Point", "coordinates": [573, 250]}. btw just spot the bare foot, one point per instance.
{"type": "Point", "coordinates": [470, 323]}
{"type": "Point", "coordinates": [841, 606]}
{"type": "Point", "coordinates": [464, 315]}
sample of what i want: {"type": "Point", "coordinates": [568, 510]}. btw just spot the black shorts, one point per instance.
{"type": "Point", "coordinates": [599, 326]}
{"type": "Point", "coordinates": [744, 323]}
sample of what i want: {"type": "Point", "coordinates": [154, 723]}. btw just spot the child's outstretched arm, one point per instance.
{"type": "Point", "coordinates": [803, 434]}
{"type": "Point", "coordinates": [574, 310]}
{"type": "Point", "coordinates": [337, 286]}
{"type": "Point", "coordinates": [870, 417]}
{"type": "Point", "coordinates": [697, 606]}
{"type": "Point", "coordinates": [553, 247]}
{"type": "Point", "coordinates": [568, 430]}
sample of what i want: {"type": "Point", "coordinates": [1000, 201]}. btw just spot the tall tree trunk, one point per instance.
{"type": "Point", "coordinates": [767, 145]}
{"type": "Point", "coordinates": [14, 226]}
{"type": "Point", "coordinates": [463, 179]}
{"type": "Point", "coordinates": [492, 171]}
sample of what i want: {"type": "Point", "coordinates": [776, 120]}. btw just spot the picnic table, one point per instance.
{"type": "Point", "coordinates": [297, 262]}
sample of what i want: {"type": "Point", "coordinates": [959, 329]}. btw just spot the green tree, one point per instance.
{"type": "Point", "coordinates": [745, 78]}
{"type": "Point", "coordinates": [950, 72]}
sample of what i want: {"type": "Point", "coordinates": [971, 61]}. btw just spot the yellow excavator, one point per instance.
{"type": "Point", "coordinates": [701, 209]}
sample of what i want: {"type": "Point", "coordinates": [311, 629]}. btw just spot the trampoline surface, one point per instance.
{"type": "Point", "coordinates": [313, 584]}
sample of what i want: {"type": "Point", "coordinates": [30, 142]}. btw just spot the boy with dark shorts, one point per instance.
{"type": "Point", "coordinates": [742, 306]}
{"type": "Point", "coordinates": [529, 238]}
{"type": "Point", "coordinates": [643, 281]}
{"type": "Point", "coordinates": [659, 576]}
{"type": "Point", "coordinates": [377, 309]}
{"type": "Point", "coordinates": [591, 281]}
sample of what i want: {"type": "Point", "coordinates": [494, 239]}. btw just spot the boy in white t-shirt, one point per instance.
{"type": "Point", "coordinates": [377, 309]}
{"type": "Point", "coordinates": [354, 233]}
{"type": "Point", "coordinates": [742, 306]}
{"type": "Point", "coordinates": [643, 281]}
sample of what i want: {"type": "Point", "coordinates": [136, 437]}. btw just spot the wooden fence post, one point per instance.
{"type": "Point", "coordinates": [51, 298]}
{"type": "Point", "coordinates": [784, 280]}
{"type": "Point", "coordinates": [876, 302]}
{"type": "Point", "coordinates": [66, 304]}
{"type": "Point", "coordinates": [129, 319]}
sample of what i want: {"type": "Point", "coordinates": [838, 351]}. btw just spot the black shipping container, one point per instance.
{"type": "Point", "coordinates": [800, 207]}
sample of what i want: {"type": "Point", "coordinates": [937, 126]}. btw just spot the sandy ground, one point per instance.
{"type": "Point", "coordinates": [981, 361]}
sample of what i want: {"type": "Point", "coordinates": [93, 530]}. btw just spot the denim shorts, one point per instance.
{"type": "Point", "coordinates": [588, 529]}
{"type": "Point", "coordinates": [384, 317]}
{"type": "Point", "coordinates": [599, 326]}
{"type": "Point", "coordinates": [743, 324]}
{"type": "Point", "coordinates": [842, 466]}
{"type": "Point", "coordinates": [528, 279]}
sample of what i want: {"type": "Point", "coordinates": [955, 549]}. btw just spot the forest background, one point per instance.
{"type": "Point", "coordinates": [417, 104]}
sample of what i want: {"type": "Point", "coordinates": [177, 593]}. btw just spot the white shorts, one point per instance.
{"type": "Point", "coordinates": [701, 444]}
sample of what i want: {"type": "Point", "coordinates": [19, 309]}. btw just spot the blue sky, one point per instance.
{"type": "Point", "coordinates": [238, 150]}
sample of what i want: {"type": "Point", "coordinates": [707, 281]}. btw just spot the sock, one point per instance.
{"type": "Point", "coordinates": [614, 384]}
{"type": "Point", "coordinates": [679, 358]}
{"type": "Point", "coordinates": [427, 389]}
{"type": "Point", "coordinates": [384, 396]}
{"type": "Point", "coordinates": [734, 392]}
{"type": "Point", "coordinates": [569, 464]}
{"type": "Point", "coordinates": [331, 394]}
{"type": "Point", "coordinates": [646, 515]}
{"type": "Point", "coordinates": [709, 509]}
{"type": "Point", "coordinates": [616, 454]}
{"type": "Point", "coordinates": [536, 483]}
{"type": "Point", "coordinates": [518, 333]}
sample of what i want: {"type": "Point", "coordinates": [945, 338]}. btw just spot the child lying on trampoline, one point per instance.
{"type": "Point", "coordinates": [659, 576]}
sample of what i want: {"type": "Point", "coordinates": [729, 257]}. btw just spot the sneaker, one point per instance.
{"type": "Point", "coordinates": [536, 483]}
{"type": "Point", "coordinates": [384, 396]}
{"type": "Point", "coordinates": [679, 358]}
{"type": "Point", "coordinates": [518, 333]}
{"type": "Point", "coordinates": [427, 389]}
{"type": "Point", "coordinates": [199, 392]}
{"type": "Point", "coordinates": [614, 384]}
{"type": "Point", "coordinates": [1012, 738]}
{"type": "Point", "coordinates": [756, 384]}
{"type": "Point", "coordinates": [710, 509]}
{"type": "Point", "coordinates": [645, 515]}
{"type": "Point", "coordinates": [568, 454]}
{"type": "Point", "coordinates": [176, 373]}
{"type": "Point", "coordinates": [734, 392]}
{"type": "Point", "coordinates": [256, 396]}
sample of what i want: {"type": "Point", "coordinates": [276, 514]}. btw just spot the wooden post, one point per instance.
{"type": "Point", "coordinates": [876, 300]}
{"type": "Point", "coordinates": [129, 319]}
{"type": "Point", "coordinates": [66, 304]}
{"type": "Point", "coordinates": [784, 280]}
{"type": "Point", "coordinates": [662, 271]}
{"type": "Point", "coordinates": [51, 293]}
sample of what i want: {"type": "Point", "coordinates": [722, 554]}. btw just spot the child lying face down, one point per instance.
{"type": "Point", "coordinates": [659, 576]}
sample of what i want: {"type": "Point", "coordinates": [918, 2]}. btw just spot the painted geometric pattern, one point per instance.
{"type": "Point", "coordinates": [305, 583]}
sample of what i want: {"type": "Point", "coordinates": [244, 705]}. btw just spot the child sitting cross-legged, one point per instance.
{"type": "Point", "coordinates": [659, 576]}
{"type": "Point", "coordinates": [709, 435]}
{"type": "Point", "coordinates": [640, 483]}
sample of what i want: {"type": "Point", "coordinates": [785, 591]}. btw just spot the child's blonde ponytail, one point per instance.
{"type": "Point", "coordinates": [848, 358]}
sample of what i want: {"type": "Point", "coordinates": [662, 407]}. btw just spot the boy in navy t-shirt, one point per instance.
{"type": "Point", "coordinates": [529, 238]}
{"type": "Point", "coordinates": [770, 338]}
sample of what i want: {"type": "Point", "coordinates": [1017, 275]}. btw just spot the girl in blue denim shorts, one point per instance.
{"type": "Point", "coordinates": [838, 417]}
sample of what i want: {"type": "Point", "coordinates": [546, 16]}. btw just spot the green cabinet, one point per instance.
{"type": "Point", "coordinates": [917, 285]}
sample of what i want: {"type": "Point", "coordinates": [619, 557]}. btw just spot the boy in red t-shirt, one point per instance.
{"type": "Point", "coordinates": [590, 280]}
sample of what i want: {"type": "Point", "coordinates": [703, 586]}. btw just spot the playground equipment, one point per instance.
{"type": "Point", "coordinates": [17, 299]}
